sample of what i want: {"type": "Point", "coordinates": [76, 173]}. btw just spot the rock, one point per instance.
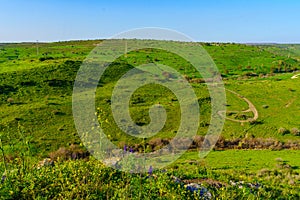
{"type": "Point", "coordinates": [45, 163]}
{"type": "Point", "coordinates": [176, 179]}
{"type": "Point", "coordinates": [242, 184]}
{"type": "Point", "coordinates": [232, 183]}
{"type": "Point", "coordinates": [254, 185]}
{"type": "Point", "coordinates": [265, 106]}
{"type": "Point", "coordinates": [194, 187]}
{"type": "Point", "coordinates": [117, 152]}
{"type": "Point", "coordinates": [113, 161]}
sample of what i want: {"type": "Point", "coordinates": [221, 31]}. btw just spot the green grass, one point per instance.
{"type": "Point", "coordinates": [250, 161]}
{"type": "Point", "coordinates": [14, 57]}
{"type": "Point", "coordinates": [239, 59]}
{"type": "Point", "coordinates": [36, 108]}
{"type": "Point", "coordinates": [42, 94]}
{"type": "Point", "coordinates": [280, 95]}
{"type": "Point", "coordinates": [287, 50]}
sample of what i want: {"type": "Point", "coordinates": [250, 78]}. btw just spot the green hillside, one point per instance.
{"type": "Point", "coordinates": [36, 93]}
{"type": "Point", "coordinates": [262, 117]}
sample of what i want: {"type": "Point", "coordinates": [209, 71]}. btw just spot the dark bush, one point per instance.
{"type": "Point", "coordinates": [28, 83]}
{"type": "Point", "coordinates": [46, 58]}
{"type": "Point", "coordinates": [197, 141]}
{"type": "Point", "coordinates": [157, 143]}
{"type": "Point", "coordinates": [6, 89]}
{"type": "Point", "coordinates": [72, 152]}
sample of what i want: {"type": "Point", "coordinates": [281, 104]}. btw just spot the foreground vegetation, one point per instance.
{"type": "Point", "coordinates": [222, 175]}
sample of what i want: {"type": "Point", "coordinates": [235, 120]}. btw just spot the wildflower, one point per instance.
{"type": "Point", "coordinates": [193, 187]}
{"type": "Point", "coordinates": [150, 171]}
{"type": "Point", "coordinates": [3, 178]}
{"type": "Point", "coordinates": [131, 150]}
{"type": "Point", "coordinates": [176, 179]}
{"type": "Point", "coordinates": [232, 183]}
{"type": "Point", "coordinates": [74, 156]}
{"type": "Point", "coordinates": [125, 148]}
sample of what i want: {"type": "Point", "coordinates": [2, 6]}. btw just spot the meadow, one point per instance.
{"type": "Point", "coordinates": [257, 159]}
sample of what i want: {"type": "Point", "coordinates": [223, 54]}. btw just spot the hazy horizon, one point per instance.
{"type": "Point", "coordinates": [86, 39]}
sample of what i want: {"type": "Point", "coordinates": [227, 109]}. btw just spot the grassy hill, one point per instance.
{"type": "Point", "coordinates": [287, 50]}
{"type": "Point", "coordinates": [36, 92]}
{"type": "Point", "coordinates": [240, 59]}
{"type": "Point", "coordinates": [36, 85]}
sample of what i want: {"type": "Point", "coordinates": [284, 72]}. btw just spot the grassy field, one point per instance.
{"type": "Point", "coordinates": [42, 96]}
{"type": "Point", "coordinates": [287, 50]}
{"type": "Point", "coordinates": [36, 87]}
{"type": "Point", "coordinates": [241, 161]}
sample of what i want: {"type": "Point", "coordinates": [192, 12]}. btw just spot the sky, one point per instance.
{"type": "Point", "coordinates": [242, 21]}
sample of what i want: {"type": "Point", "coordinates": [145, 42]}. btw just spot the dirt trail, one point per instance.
{"type": "Point", "coordinates": [295, 76]}
{"type": "Point", "coordinates": [251, 109]}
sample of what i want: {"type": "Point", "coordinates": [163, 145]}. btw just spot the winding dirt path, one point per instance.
{"type": "Point", "coordinates": [295, 76]}
{"type": "Point", "coordinates": [251, 109]}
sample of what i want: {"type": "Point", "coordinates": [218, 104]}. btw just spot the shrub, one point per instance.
{"type": "Point", "coordinates": [10, 101]}
{"type": "Point", "coordinates": [197, 80]}
{"type": "Point", "coordinates": [252, 122]}
{"type": "Point", "coordinates": [221, 143]}
{"type": "Point", "coordinates": [157, 143]}
{"type": "Point", "coordinates": [197, 141]}
{"type": "Point", "coordinates": [45, 58]}
{"type": "Point", "coordinates": [72, 152]}
{"type": "Point", "coordinates": [180, 143]}
{"type": "Point", "coordinates": [283, 131]}
{"type": "Point", "coordinates": [295, 131]}
{"type": "Point", "coordinates": [265, 106]}
{"type": "Point", "coordinates": [263, 172]}
{"type": "Point", "coordinates": [241, 116]}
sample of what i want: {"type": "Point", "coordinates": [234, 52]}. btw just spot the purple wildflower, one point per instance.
{"type": "Point", "coordinates": [131, 150]}
{"type": "Point", "coordinates": [125, 148]}
{"type": "Point", "coordinates": [3, 178]}
{"type": "Point", "coordinates": [74, 156]}
{"type": "Point", "coordinates": [150, 171]}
